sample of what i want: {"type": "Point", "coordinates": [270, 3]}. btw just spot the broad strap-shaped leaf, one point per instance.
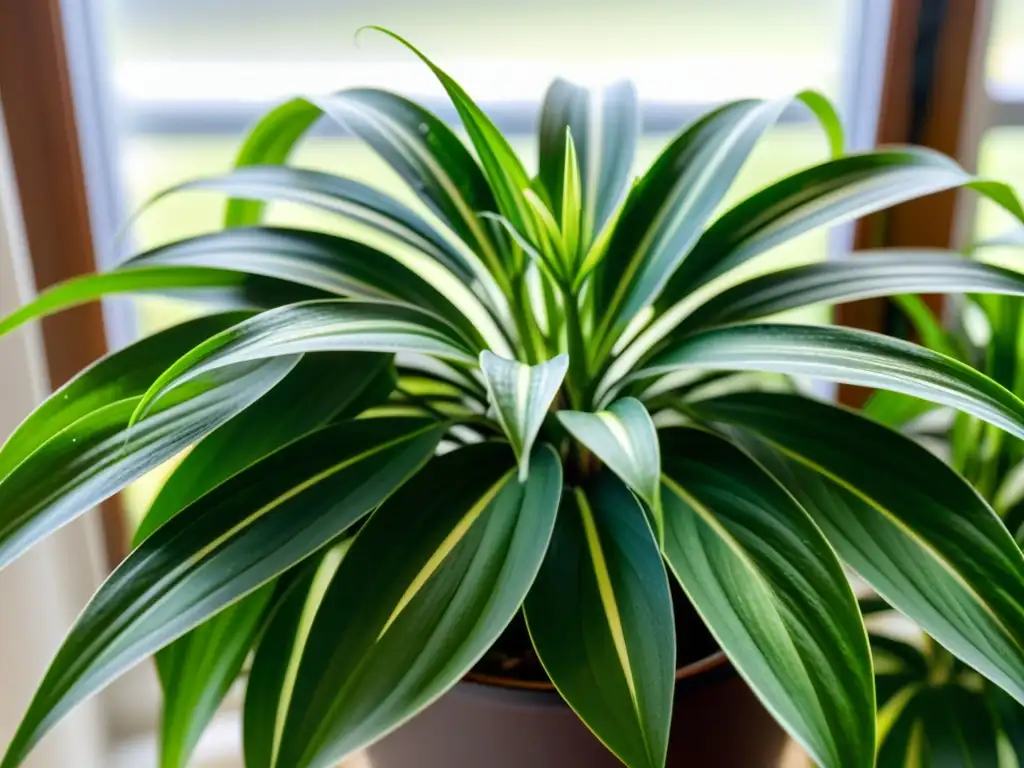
{"type": "Point", "coordinates": [320, 389]}
{"type": "Point", "coordinates": [452, 554]}
{"type": "Point", "coordinates": [100, 453]}
{"type": "Point", "coordinates": [910, 526]}
{"type": "Point", "coordinates": [863, 276]}
{"type": "Point", "coordinates": [521, 395]}
{"type": "Point", "coordinates": [624, 438]}
{"type": "Point", "coordinates": [958, 729]}
{"type": "Point", "coordinates": [338, 195]}
{"type": "Point", "coordinates": [197, 670]}
{"type": "Point", "coordinates": [501, 165]}
{"type": "Point", "coordinates": [328, 263]}
{"type": "Point", "coordinates": [600, 616]}
{"type": "Point", "coordinates": [604, 124]}
{"type": "Point", "coordinates": [831, 193]}
{"type": "Point", "coordinates": [773, 593]}
{"type": "Point", "coordinates": [269, 684]}
{"type": "Point", "coordinates": [317, 326]}
{"type": "Point", "coordinates": [129, 372]}
{"type": "Point", "coordinates": [848, 356]}
{"type": "Point", "coordinates": [222, 547]}
{"type": "Point", "coordinates": [668, 210]}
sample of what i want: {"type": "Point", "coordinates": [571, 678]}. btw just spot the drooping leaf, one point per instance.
{"type": "Point", "coordinates": [849, 356]}
{"type": "Point", "coordinates": [604, 124]}
{"type": "Point", "coordinates": [863, 276]}
{"type": "Point", "coordinates": [89, 288]}
{"type": "Point", "coordinates": [345, 197]}
{"type": "Point", "coordinates": [624, 438]}
{"type": "Point", "coordinates": [521, 396]}
{"type": "Point", "coordinates": [912, 528]}
{"type": "Point", "coordinates": [222, 547]}
{"type": "Point", "coordinates": [321, 388]}
{"type": "Point", "coordinates": [328, 263]}
{"type": "Point", "coordinates": [831, 193]}
{"type": "Point", "coordinates": [129, 372]}
{"type": "Point", "coordinates": [100, 453]}
{"type": "Point", "coordinates": [197, 670]}
{"type": "Point", "coordinates": [317, 326]}
{"type": "Point", "coordinates": [773, 593]}
{"type": "Point", "coordinates": [453, 554]}
{"type": "Point", "coordinates": [600, 616]}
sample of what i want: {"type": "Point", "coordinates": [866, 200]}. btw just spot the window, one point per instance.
{"type": "Point", "coordinates": [165, 91]}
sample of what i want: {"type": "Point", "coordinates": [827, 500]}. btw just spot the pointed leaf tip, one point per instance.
{"type": "Point", "coordinates": [521, 395]}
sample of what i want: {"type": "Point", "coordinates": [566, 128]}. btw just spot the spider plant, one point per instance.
{"type": "Point", "coordinates": [932, 705]}
{"type": "Point", "coordinates": [405, 438]}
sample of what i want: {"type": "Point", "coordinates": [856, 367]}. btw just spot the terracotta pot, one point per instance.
{"type": "Point", "coordinates": [718, 723]}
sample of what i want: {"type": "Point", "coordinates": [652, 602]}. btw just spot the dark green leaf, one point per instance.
{"type": "Point", "coordinates": [772, 591]}
{"type": "Point", "coordinates": [99, 454]}
{"type": "Point", "coordinates": [958, 727]}
{"type": "Point", "coordinates": [453, 554]}
{"type": "Point", "coordinates": [126, 373]}
{"type": "Point", "coordinates": [600, 615]}
{"type": "Point", "coordinates": [863, 276]}
{"type": "Point", "coordinates": [222, 547]}
{"type": "Point", "coordinates": [912, 528]}
{"type": "Point", "coordinates": [317, 326]}
{"type": "Point", "coordinates": [314, 259]}
{"type": "Point", "coordinates": [824, 195]}
{"type": "Point", "coordinates": [849, 356]}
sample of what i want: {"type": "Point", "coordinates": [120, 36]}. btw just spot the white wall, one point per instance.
{"type": "Point", "coordinates": [41, 593]}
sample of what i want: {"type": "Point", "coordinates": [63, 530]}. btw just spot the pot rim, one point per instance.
{"type": "Point", "coordinates": [693, 669]}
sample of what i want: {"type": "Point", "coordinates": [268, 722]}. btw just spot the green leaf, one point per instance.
{"type": "Point", "coordinates": [225, 545]}
{"type": "Point", "coordinates": [160, 280]}
{"type": "Point", "coordinates": [902, 741]}
{"type": "Point", "coordinates": [666, 213]}
{"type": "Point", "coordinates": [572, 205]}
{"type": "Point", "coordinates": [272, 676]}
{"type": "Point", "coordinates": [600, 616]}
{"type": "Point", "coordinates": [453, 553]}
{"type": "Point", "coordinates": [848, 356]}
{"type": "Point", "coordinates": [126, 373]}
{"type": "Point", "coordinates": [320, 389]}
{"type": "Point", "coordinates": [197, 669]}
{"type": "Point", "coordinates": [773, 593]}
{"type": "Point", "coordinates": [624, 438]}
{"type": "Point", "coordinates": [831, 193]}
{"type": "Point", "coordinates": [521, 396]}
{"type": "Point", "coordinates": [604, 125]}
{"type": "Point", "coordinates": [317, 260]}
{"type": "Point", "coordinates": [501, 165]}
{"type": "Point", "coordinates": [895, 410]}
{"type": "Point", "coordinates": [317, 326]}
{"type": "Point", "coordinates": [928, 327]}
{"type": "Point", "coordinates": [100, 453]}
{"type": "Point", "coordinates": [912, 528]}
{"type": "Point", "coordinates": [344, 197]}
{"type": "Point", "coordinates": [959, 729]}
{"type": "Point", "coordinates": [863, 276]}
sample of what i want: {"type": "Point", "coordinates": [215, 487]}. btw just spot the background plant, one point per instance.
{"type": "Point", "coordinates": [550, 350]}
{"type": "Point", "coordinates": [932, 706]}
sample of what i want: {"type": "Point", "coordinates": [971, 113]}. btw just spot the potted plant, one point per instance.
{"type": "Point", "coordinates": [932, 705]}
{"type": "Point", "coordinates": [451, 451]}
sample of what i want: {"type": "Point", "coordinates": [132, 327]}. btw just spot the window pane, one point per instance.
{"type": "Point", "coordinates": [678, 50]}
{"type": "Point", "coordinates": [1006, 47]}
{"type": "Point", "coordinates": [1001, 157]}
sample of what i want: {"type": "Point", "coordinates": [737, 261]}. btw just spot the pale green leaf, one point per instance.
{"type": "Point", "coordinates": [521, 396]}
